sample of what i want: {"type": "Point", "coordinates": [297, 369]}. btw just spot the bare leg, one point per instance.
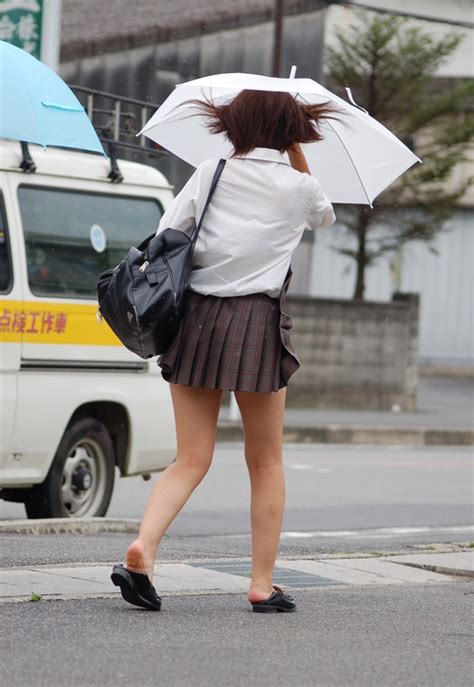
{"type": "Point", "coordinates": [196, 411]}
{"type": "Point", "coordinates": [262, 417]}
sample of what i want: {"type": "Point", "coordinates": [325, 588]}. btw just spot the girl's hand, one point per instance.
{"type": "Point", "coordinates": [297, 159]}
{"type": "Point", "coordinates": [295, 148]}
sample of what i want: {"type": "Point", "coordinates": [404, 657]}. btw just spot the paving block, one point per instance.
{"type": "Point", "coordinates": [67, 581]}
{"type": "Point", "coordinates": [169, 578]}
{"type": "Point", "coordinates": [363, 571]}
{"type": "Point", "coordinates": [181, 577]}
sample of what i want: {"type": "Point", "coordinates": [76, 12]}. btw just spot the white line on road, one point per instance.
{"type": "Point", "coordinates": [373, 533]}
{"type": "Point", "coordinates": [376, 532]}
{"type": "Point", "coordinates": [308, 466]}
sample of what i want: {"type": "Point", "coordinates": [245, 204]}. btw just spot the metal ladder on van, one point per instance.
{"type": "Point", "coordinates": [117, 119]}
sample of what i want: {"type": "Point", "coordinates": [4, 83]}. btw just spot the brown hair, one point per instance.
{"type": "Point", "coordinates": [266, 119]}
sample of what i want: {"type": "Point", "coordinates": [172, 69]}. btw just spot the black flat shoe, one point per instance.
{"type": "Point", "coordinates": [136, 588]}
{"type": "Point", "coordinates": [278, 602]}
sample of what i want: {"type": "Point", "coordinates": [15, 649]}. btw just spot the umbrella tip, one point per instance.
{"type": "Point", "coordinates": [351, 98]}
{"type": "Point", "coordinates": [292, 71]}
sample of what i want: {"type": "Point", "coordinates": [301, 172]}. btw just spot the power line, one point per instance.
{"type": "Point", "coordinates": [398, 13]}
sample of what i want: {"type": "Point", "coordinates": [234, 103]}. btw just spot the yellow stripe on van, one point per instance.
{"type": "Point", "coordinates": [44, 322]}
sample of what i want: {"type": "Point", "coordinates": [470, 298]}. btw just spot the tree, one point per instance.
{"type": "Point", "coordinates": [390, 66]}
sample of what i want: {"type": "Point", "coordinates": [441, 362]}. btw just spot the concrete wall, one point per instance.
{"type": "Point", "coordinates": [355, 354]}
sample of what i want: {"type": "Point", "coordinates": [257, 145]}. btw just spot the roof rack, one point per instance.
{"type": "Point", "coordinates": [116, 119]}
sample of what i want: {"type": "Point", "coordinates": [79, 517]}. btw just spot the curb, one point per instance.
{"type": "Point", "coordinates": [70, 526]}
{"type": "Point", "coordinates": [354, 434]}
{"type": "Point", "coordinates": [222, 576]}
{"type": "Point", "coordinates": [442, 569]}
{"type": "Point", "coordinates": [322, 556]}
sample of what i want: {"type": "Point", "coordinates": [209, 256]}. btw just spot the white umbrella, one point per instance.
{"type": "Point", "coordinates": [356, 160]}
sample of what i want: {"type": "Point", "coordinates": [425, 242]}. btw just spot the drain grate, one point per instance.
{"type": "Point", "coordinates": [281, 576]}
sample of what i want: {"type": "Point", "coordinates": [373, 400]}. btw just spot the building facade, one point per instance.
{"type": "Point", "coordinates": [144, 49]}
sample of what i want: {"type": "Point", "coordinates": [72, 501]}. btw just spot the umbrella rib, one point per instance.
{"type": "Point", "coordinates": [353, 164]}
{"type": "Point", "coordinates": [349, 156]}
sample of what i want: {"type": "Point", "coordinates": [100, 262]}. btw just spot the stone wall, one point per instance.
{"type": "Point", "coordinates": [359, 355]}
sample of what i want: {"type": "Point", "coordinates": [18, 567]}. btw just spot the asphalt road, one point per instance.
{"type": "Point", "coordinates": [346, 637]}
{"type": "Point", "coordinates": [328, 488]}
{"type": "Point", "coordinates": [339, 498]}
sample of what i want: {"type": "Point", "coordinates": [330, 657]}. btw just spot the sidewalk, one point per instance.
{"type": "Point", "coordinates": [230, 576]}
{"type": "Point", "coordinates": [445, 416]}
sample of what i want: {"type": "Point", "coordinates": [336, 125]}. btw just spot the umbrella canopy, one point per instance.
{"type": "Point", "coordinates": [36, 105]}
{"type": "Point", "coordinates": [356, 160]}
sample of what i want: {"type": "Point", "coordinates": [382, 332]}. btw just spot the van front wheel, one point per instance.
{"type": "Point", "coordinates": [81, 479]}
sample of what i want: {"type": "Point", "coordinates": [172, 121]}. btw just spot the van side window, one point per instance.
{"type": "Point", "coordinates": [5, 262]}
{"type": "Point", "coordinates": [71, 236]}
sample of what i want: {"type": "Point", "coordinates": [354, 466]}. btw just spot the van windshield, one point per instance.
{"type": "Point", "coordinates": [71, 236]}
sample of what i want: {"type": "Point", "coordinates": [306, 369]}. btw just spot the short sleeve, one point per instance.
{"type": "Point", "coordinates": [181, 212]}
{"type": "Point", "coordinates": [320, 213]}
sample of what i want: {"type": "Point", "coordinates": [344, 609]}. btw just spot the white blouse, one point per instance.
{"type": "Point", "coordinates": [255, 220]}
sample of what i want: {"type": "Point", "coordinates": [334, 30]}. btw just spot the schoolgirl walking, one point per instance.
{"type": "Point", "coordinates": [235, 334]}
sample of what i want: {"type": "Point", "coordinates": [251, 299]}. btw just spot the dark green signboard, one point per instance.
{"type": "Point", "coordinates": [20, 24]}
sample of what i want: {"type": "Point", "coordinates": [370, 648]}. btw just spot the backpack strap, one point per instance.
{"type": "Point", "coordinates": [215, 179]}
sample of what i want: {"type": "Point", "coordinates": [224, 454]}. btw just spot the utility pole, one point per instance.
{"type": "Point", "coordinates": [51, 33]}
{"type": "Point", "coordinates": [277, 37]}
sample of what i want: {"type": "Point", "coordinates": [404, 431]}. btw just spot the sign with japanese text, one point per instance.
{"type": "Point", "coordinates": [32, 321]}
{"type": "Point", "coordinates": [21, 23]}
{"type": "Point", "coordinates": [43, 322]}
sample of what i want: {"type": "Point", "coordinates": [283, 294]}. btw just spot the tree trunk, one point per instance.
{"type": "Point", "coordinates": [364, 212]}
{"type": "Point", "coordinates": [364, 221]}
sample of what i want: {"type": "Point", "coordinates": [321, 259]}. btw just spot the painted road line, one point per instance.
{"type": "Point", "coordinates": [376, 532]}
{"type": "Point", "coordinates": [131, 525]}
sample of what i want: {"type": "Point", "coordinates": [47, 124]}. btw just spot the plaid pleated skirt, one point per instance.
{"type": "Point", "coordinates": [239, 343]}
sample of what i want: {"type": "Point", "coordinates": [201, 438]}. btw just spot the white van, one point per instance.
{"type": "Point", "coordinates": [75, 404]}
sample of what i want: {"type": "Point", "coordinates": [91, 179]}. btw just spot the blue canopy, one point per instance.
{"type": "Point", "coordinates": [37, 106]}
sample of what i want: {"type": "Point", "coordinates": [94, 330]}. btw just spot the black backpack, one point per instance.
{"type": "Point", "coordinates": [141, 299]}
